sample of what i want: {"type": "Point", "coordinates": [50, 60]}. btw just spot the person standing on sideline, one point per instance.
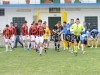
{"type": "Point", "coordinates": [17, 40]}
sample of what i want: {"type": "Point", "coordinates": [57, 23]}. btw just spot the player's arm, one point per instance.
{"type": "Point", "coordinates": [3, 34]}
{"type": "Point", "coordinates": [82, 28]}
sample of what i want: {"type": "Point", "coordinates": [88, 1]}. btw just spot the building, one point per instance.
{"type": "Point", "coordinates": [18, 11]}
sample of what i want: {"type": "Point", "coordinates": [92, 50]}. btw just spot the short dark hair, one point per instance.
{"type": "Point", "coordinates": [36, 23]}
{"type": "Point", "coordinates": [40, 20]}
{"type": "Point", "coordinates": [77, 19]}
{"type": "Point", "coordinates": [72, 19]}
{"type": "Point", "coordinates": [7, 25]}
{"type": "Point", "coordinates": [25, 21]}
{"type": "Point", "coordinates": [64, 22]}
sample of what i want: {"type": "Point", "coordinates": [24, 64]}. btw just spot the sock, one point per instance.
{"type": "Point", "coordinates": [96, 43]}
{"type": "Point", "coordinates": [82, 46]}
{"type": "Point", "coordinates": [75, 49]}
{"type": "Point", "coordinates": [40, 50]}
{"type": "Point", "coordinates": [28, 45]}
{"type": "Point", "coordinates": [12, 44]}
{"type": "Point", "coordinates": [45, 50]}
{"type": "Point", "coordinates": [92, 43]}
{"type": "Point", "coordinates": [79, 44]}
{"type": "Point", "coordinates": [55, 45]}
{"type": "Point", "coordinates": [6, 47]}
{"type": "Point", "coordinates": [32, 45]}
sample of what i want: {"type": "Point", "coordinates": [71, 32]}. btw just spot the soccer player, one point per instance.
{"type": "Point", "coordinates": [58, 29]}
{"type": "Point", "coordinates": [39, 37]}
{"type": "Point", "coordinates": [71, 35]}
{"type": "Point", "coordinates": [6, 37]}
{"type": "Point", "coordinates": [32, 33]}
{"type": "Point", "coordinates": [13, 34]}
{"type": "Point", "coordinates": [65, 35]}
{"type": "Point", "coordinates": [83, 39]}
{"type": "Point", "coordinates": [94, 37]}
{"type": "Point", "coordinates": [46, 37]}
{"type": "Point", "coordinates": [77, 28]}
{"type": "Point", "coordinates": [24, 29]}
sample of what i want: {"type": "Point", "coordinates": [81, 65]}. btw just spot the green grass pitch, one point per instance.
{"type": "Point", "coordinates": [21, 62]}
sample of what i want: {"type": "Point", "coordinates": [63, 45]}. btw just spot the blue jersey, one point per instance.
{"type": "Point", "coordinates": [83, 36]}
{"type": "Point", "coordinates": [94, 33]}
{"type": "Point", "coordinates": [66, 29]}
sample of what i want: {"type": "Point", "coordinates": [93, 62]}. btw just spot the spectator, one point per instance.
{"type": "Point", "coordinates": [17, 36]}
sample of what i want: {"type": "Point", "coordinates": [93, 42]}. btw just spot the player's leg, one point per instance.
{"type": "Point", "coordinates": [96, 43]}
{"type": "Point", "coordinates": [45, 44]}
{"type": "Point", "coordinates": [6, 44]}
{"type": "Point", "coordinates": [24, 42]}
{"type": "Point", "coordinates": [75, 48]}
{"type": "Point", "coordinates": [55, 42]}
{"type": "Point", "coordinates": [13, 41]}
{"type": "Point", "coordinates": [41, 45]}
{"type": "Point", "coordinates": [28, 42]}
{"type": "Point", "coordinates": [92, 41]}
{"type": "Point", "coordinates": [10, 44]}
{"type": "Point", "coordinates": [37, 43]}
{"type": "Point", "coordinates": [18, 40]}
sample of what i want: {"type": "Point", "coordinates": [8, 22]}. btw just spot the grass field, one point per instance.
{"type": "Point", "coordinates": [21, 62]}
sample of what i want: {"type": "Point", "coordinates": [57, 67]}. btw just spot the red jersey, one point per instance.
{"type": "Point", "coordinates": [13, 30]}
{"type": "Point", "coordinates": [33, 30]}
{"type": "Point", "coordinates": [24, 30]}
{"type": "Point", "coordinates": [41, 31]}
{"type": "Point", "coordinates": [7, 33]}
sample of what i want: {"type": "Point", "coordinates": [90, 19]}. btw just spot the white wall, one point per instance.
{"type": "Point", "coordinates": [9, 13]}
{"type": "Point", "coordinates": [44, 14]}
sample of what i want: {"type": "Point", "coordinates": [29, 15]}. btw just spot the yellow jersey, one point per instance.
{"type": "Point", "coordinates": [47, 33]}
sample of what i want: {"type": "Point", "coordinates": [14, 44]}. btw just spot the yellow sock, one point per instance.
{"type": "Point", "coordinates": [92, 43]}
{"type": "Point", "coordinates": [79, 44]}
{"type": "Point", "coordinates": [96, 43]}
{"type": "Point", "coordinates": [64, 43]}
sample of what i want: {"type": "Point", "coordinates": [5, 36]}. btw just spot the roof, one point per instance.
{"type": "Point", "coordinates": [74, 5]}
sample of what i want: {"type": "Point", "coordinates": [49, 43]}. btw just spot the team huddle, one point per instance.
{"type": "Point", "coordinates": [73, 36]}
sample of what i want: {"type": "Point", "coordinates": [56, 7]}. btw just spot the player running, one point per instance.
{"type": "Point", "coordinates": [13, 34]}
{"type": "Point", "coordinates": [58, 29]}
{"type": "Point", "coordinates": [39, 37]}
{"type": "Point", "coordinates": [33, 33]}
{"type": "Point", "coordinates": [77, 28]}
{"type": "Point", "coordinates": [83, 39]}
{"type": "Point", "coordinates": [94, 37]}
{"type": "Point", "coordinates": [7, 37]}
{"type": "Point", "coordinates": [25, 35]}
{"type": "Point", "coordinates": [46, 37]}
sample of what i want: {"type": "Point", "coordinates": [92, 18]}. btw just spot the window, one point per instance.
{"type": "Point", "coordinates": [18, 20]}
{"type": "Point", "coordinates": [2, 12]}
{"type": "Point", "coordinates": [50, 1]}
{"type": "Point", "coordinates": [98, 1]}
{"type": "Point", "coordinates": [92, 22]}
{"type": "Point", "coordinates": [54, 10]}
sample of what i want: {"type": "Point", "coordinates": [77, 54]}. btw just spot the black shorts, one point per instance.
{"type": "Point", "coordinates": [57, 38]}
{"type": "Point", "coordinates": [72, 38]}
{"type": "Point", "coordinates": [77, 38]}
{"type": "Point", "coordinates": [68, 37]}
